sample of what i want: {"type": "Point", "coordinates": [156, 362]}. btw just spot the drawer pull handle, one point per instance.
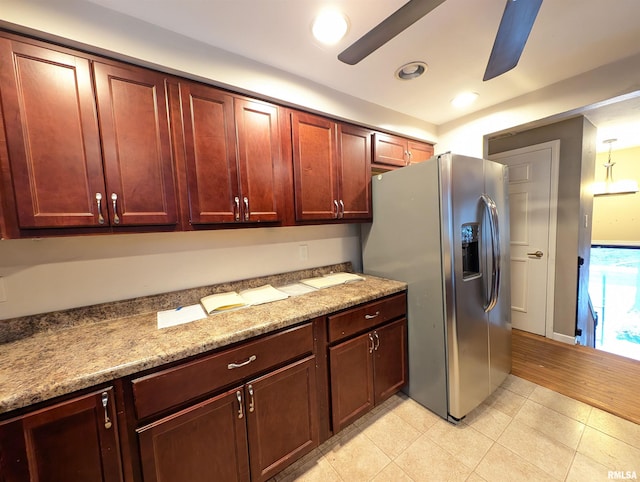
{"type": "Point", "coordinates": [370, 317]}
{"type": "Point", "coordinates": [105, 401]}
{"type": "Point", "coordinates": [372, 343]}
{"type": "Point", "coordinates": [231, 366]}
{"type": "Point", "coordinates": [239, 397]}
{"type": "Point", "coordinates": [246, 208]}
{"type": "Point", "coordinates": [377, 339]}
{"type": "Point", "coordinates": [251, 404]}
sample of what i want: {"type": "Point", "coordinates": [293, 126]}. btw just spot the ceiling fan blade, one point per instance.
{"type": "Point", "coordinates": [395, 23]}
{"type": "Point", "coordinates": [515, 26]}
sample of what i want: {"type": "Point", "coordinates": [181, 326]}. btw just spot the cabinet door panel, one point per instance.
{"type": "Point", "coordinates": [351, 368]}
{"type": "Point", "coordinates": [282, 417]}
{"type": "Point", "coordinates": [132, 108]}
{"type": "Point", "coordinates": [65, 442]}
{"type": "Point", "coordinates": [390, 150]}
{"type": "Point", "coordinates": [258, 155]}
{"type": "Point", "coordinates": [210, 143]}
{"type": "Point", "coordinates": [390, 359]}
{"type": "Point", "coordinates": [419, 151]}
{"type": "Point", "coordinates": [202, 443]}
{"type": "Point", "coordinates": [314, 161]}
{"type": "Point", "coordinates": [52, 136]}
{"type": "Point", "coordinates": [355, 154]}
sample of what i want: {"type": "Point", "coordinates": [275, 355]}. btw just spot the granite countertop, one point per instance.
{"type": "Point", "coordinates": [53, 362]}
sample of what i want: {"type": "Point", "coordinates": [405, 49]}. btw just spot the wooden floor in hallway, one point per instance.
{"type": "Point", "coordinates": [603, 380]}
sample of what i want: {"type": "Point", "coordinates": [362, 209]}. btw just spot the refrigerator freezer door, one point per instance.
{"type": "Point", "coordinates": [403, 243]}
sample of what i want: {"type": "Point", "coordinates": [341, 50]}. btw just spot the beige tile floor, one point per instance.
{"type": "Point", "coordinates": [523, 432]}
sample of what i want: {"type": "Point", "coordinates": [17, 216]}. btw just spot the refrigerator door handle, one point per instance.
{"type": "Point", "coordinates": [492, 212]}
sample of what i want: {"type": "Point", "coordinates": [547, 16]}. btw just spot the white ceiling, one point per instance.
{"type": "Point", "coordinates": [569, 37]}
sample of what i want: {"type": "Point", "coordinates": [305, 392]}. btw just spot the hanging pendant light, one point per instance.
{"type": "Point", "coordinates": [609, 186]}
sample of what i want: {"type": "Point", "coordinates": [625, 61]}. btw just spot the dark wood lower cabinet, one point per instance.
{"type": "Point", "coordinates": [390, 359]}
{"type": "Point", "coordinates": [365, 370]}
{"type": "Point", "coordinates": [351, 369]}
{"type": "Point", "coordinates": [282, 418]}
{"type": "Point", "coordinates": [73, 441]}
{"type": "Point", "coordinates": [240, 414]}
{"type": "Point", "coordinates": [202, 443]}
{"type": "Point", "coordinates": [248, 433]}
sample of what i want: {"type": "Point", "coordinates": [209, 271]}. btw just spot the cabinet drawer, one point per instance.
{"type": "Point", "coordinates": [169, 388]}
{"type": "Point", "coordinates": [366, 316]}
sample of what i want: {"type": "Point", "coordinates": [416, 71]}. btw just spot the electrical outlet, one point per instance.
{"type": "Point", "coordinates": [303, 252]}
{"type": "Point", "coordinates": [3, 291]}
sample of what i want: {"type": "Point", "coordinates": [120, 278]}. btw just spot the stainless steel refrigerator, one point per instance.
{"type": "Point", "coordinates": [443, 227]}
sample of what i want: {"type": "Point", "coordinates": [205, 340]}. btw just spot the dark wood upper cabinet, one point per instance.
{"type": "Point", "coordinates": [232, 153]}
{"type": "Point", "coordinates": [75, 440]}
{"type": "Point", "coordinates": [52, 136]}
{"type": "Point", "coordinates": [134, 126]}
{"type": "Point", "coordinates": [258, 156]}
{"type": "Point", "coordinates": [331, 165]}
{"type": "Point", "coordinates": [391, 152]}
{"type": "Point", "coordinates": [314, 167]}
{"type": "Point", "coordinates": [354, 147]}
{"type": "Point", "coordinates": [79, 157]}
{"type": "Point", "coordinates": [211, 159]}
{"type": "Point", "coordinates": [419, 151]}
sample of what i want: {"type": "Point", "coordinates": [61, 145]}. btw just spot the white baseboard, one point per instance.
{"type": "Point", "coordinates": [569, 340]}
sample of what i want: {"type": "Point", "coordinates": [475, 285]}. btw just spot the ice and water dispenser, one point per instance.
{"type": "Point", "coordinates": [470, 240]}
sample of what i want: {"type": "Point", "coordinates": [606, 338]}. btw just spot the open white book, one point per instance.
{"type": "Point", "coordinates": [231, 299]}
{"type": "Point", "coordinates": [332, 279]}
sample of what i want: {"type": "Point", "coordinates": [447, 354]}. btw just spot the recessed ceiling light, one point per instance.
{"type": "Point", "coordinates": [464, 99]}
{"type": "Point", "coordinates": [329, 27]}
{"type": "Point", "coordinates": [412, 70]}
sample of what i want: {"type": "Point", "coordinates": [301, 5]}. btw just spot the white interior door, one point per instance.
{"type": "Point", "coordinates": [532, 204]}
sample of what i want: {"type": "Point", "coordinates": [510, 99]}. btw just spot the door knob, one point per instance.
{"type": "Point", "coordinates": [537, 254]}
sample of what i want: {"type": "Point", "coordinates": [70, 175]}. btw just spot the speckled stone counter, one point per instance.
{"type": "Point", "coordinates": [105, 345]}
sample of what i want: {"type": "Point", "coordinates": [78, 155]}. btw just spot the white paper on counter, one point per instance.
{"type": "Point", "coordinates": [179, 316]}
{"type": "Point", "coordinates": [296, 289]}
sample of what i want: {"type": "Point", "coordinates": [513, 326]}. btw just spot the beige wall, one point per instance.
{"type": "Point", "coordinates": [49, 274]}
{"type": "Point", "coordinates": [616, 219]}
